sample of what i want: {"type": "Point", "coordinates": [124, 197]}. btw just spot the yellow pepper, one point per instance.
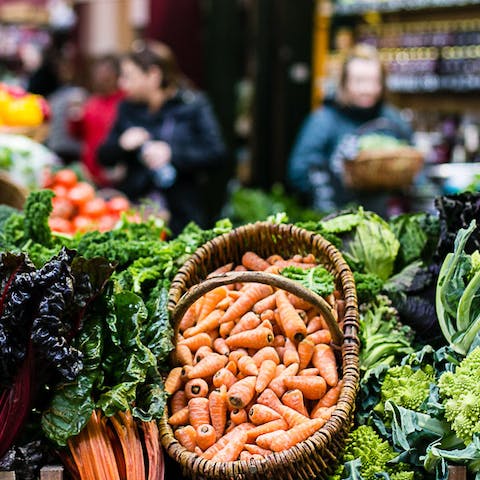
{"type": "Point", "coordinates": [23, 111]}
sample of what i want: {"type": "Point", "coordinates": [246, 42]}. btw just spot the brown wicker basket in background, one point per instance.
{"type": "Point", "coordinates": [315, 457]}
{"type": "Point", "coordinates": [383, 169]}
{"type": "Point", "coordinates": [11, 193]}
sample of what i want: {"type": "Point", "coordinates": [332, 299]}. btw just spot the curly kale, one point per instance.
{"type": "Point", "coordinates": [460, 393]}
{"type": "Point", "coordinates": [368, 286]}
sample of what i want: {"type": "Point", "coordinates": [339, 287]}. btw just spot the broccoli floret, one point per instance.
{"type": "Point", "coordinates": [460, 393]}
{"type": "Point", "coordinates": [406, 387]}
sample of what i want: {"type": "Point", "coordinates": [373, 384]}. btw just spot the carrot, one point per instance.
{"type": "Point", "coordinates": [223, 269]}
{"type": "Point", "coordinates": [340, 309]}
{"type": "Point", "coordinates": [259, 414]}
{"type": "Point", "coordinates": [332, 396]}
{"type": "Point", "coordinates": [313, 388]}
{"type": "Point", "coordinates": [247, 366]}
{"type": "Point", "coordinates": [278, 384]}
{"type": "Point", "coordinates": [156, 467]}
{"type": "Point", "coordinates": [331, 299]}
{"type": "Point", "coordinates": [232, 366]}
{"type": "Point", "coordinates": [324, 359]}
{"type": "Point", "coordinates": [178, 401]}
{"type": "Point", "coordinates": [287, 439]}
{"type": "Point", "coordinates": [305, 352]}
{"type": "Point", "coordinates": [198, 411]}
{"type": "Point", "coordinates": [309, 372]}
{"type": "Point", "coordinates": [293, 263]}
{"type": "Point", "coordinates": [238, 416]}
{"type": "Point", "coordinates": [290, 354]}
{"type": "Point", "coordinates": [267, 303]}
{"type": "Point", "coordinates": [224, 377]}
{"type": "Point", "coordinates": [309, 258]}
{"type": "Point", "coordinates": [247, 322]}
{"type": "Point", "coordinates": [195, 342]}
{"type": "Point", "coordinates": [223, 441]}
{"type": "Point", "coordinates": [320, 336]}
{"type": "Point", "coordinates": [271, 400]}
{"type": "Point", "coordinates": [272, 269]}
{"type": "Point", "coordinates": [206, 436]}
{"type": "Point", "coordinates": [241, 392]}
{"type": "Point", "coordinates": [202, 352]}
{"type": "Point", "coordinates": [220, 346]}
{"type": "Point", "coordinates": [189, 319]}
{"type": "Point", "coordinates": [245, 456]}
{"type": "Point", "coordinates": [173, 381]}
{"type": "Point", "coordinates": [180, 417]}
{"type": "Point", "coordinates": [210, 301]}
{"type": "Point", "coordinates": [250, 296]}
{"type": "Point", "coordinates": [183, 355]}
{"type": "Point", "coordinates": [316, 323]}
{"type": "Point", "coordinates": [217, 406]}
{"type": "Point", "coordinates": [226, 328]}
{"type": "Point", "coordinates": [232, 450]}
{"type": "Point", "coordinates": [265, 375]}
{"type": "Point", "coordinates": [256, 450]}
{"type": "Point", "coordinates": [265, 353]}
{"type": "Point", "coordinates": [208, 366]}
{"type": "Point", "coordinates": [298, 303]}
{"type": "Point", "coordinates": [184, 373]}
{"type": "Point", "coordinates": [278, 341]}
{"type": "Point", "coordinates": [236, 354]}
{"type": "Point", "coordinates": [252, 261]}
{"type": "Point", "coordinates": [187, 437]}
{"type": "Point", "coordinates": [225, 303]}
{"type": "Point", "coordinates": [268, 315]}
{"type": "Point", "coordinates": [265, 440]}
{"type": "Point", "coordinates": [293, 326]}
{"type": "Point", "coordinates": [209, 322]}
{"type": "Point", "coordinates": [257, 338]}
{"type": "Point", "coordinates": [196, 388]}
{"type": "Point", "coordinates": [297, 258]}
{"type": "Point", "coordinates": [273, 426]}
{"type": "Point", "coordinates": [274, 258]}
{"type": "Point", "coordinates": [294, 399]}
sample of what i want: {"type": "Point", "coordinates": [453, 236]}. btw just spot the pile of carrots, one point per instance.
{"type": "Point", "coordinates": [256, 373]}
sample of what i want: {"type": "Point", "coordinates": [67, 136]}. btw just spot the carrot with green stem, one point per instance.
{"type": "Point", "coordinates": [187, 437]}
{"type": "Point", "coordinates": [324, 359]}
{"type": "Point", "coordinates": [198, 411]}
{"type": "Point", "coordinates": [259, 414]}
{"type": "Point", "coordinates": [242, 392]}
{"type": "Point", "coordinates": [292, 324]}
{"type": "Point", "coordinates": [247, 322]}
{"type": "Point", "coordinates": [294, 399]}
{"type": "Point", "coordinates": [217, 407]}
{"type": "Point", "coordinates": [266, 373]}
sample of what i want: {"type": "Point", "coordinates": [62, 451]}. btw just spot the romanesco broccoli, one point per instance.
{"type": "Point", "coordinates": [460, 393]}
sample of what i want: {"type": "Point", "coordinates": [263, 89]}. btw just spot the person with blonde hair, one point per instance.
{"type": "Point", "coordinates": [165, 134]}
{"type": "Point", "coordinates": [358, 107]}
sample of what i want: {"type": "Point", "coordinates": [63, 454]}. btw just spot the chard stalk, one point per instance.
{"type": "Point", "coordinates": [463, 310]}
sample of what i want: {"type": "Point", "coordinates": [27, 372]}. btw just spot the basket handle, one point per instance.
{"type": "Point", "coordinates": [271, 279]}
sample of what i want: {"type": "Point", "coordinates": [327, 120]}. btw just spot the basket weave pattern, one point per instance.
{"type": "Point", "coordinates": [315, 457]}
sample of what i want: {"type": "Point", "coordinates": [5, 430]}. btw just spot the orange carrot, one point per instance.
{"type": "Point", "coordinates": [173, 381]}
{"type": "Point", "coordinates": [178, 401]}
{"type": "Point", "coordinates": [259, 414]}
{"type": "Point", "coordinates": [196, 387]}
{"type": "Point", "coordinates": [184, 373]}
{"type": "Point", "coordinates": [316, 323]}
{"type": "Point", "coordinates": [287, 439]}
{"type": "Point", "coordinates": [298, 303]}
{"type": "Point", "coordinates": [224, 377]}
{"type": "Point", "coordinates": [313, 388]}
{"type": "Point", "coordinates": [202, 352]}
{"type": "Point", "coordinates": [264, 440]}
{"type": "Point", "coordinates": [180, 417]}
{"type": "Point", "coordinates": [210, 301]}
{"type": "Point", "coordinates": [195, 342]}
{"type": "Point", "coordinates": [236, 354]}
{"type": "Point", "coordinates": [245, 456]}
{"type": "Point", "coordinates": [206, 436]}
{"type": "Point", "coordinates": [278, 384]}
{"type": "Point", "coordinates": [209, 322]}
{"type": "Point", "coordinates": [294, 399]}
{"type": "Point", "coordinates": [242, 392]}
{"type": "Point", "coordinates": [232, 366]}
{"type": "Point", "coordinates": [273, 426]}
{"type": "Point", "coordinates": [320, 336]}
{"type": "Point", "coordinates": [187, 437]}
{"type": "Point", "coordinates": [232, 450]}
{"type": "Point", "coordinates": [324, 359]}
{"type": "Point", "coordinates": [222, 442]}
{"type": "Point", "coordinates": [309, 258]}
{"type": "Point", "coordinates": [247, 366]}
{"type": "Point", "coordinates": [226, 328]}
{"type": "Point", "coordinates": [208, 366]}
{"type": "Point", "coordinates": [265, 375]}
{"type": "Point", "coordinates": [272, 269]}
{"type": "Point", "coordinates": [189, 319]}
{"type": "Point", "coordinates": [183, 355]}
{"type": "Point", "coordinates": [220, 346]}
{"type": "Point", "coordinates": [309, 372]}
{"type": "Point", "coordinates": [293, 263]}
{"type": "Point", "coordinates": [217, 406]}
{"type": "Point", "coordinates": [252, 261]}
{"type": "Point", "coordinates": [238, 416]}
{"type": "Point", "coordinates": [267, 303]}
{"type": "Point", "coordinates": [250, 296]}
{"type": "Point", "coordinates": [223, 269]}
{"type": "Point", "coordinates": [274, 258]}
{"type": "Point", "coordinates": [279, 341]}
{"type": "Point", "coordinates": [256, 450]}
{"type": "Point", "coordinates": [268, 315]}
{"type": "Point", "coordinates": [265, 353]}
{"type": "Point", "coordinates": [257, 338]}
{"type": "Point", "coordinates": [225, 303]}
{"type": "Point", "coordinates": [198, 411]}
{"type": "Point", "coordinates": [247, 322]}
{"type": "Point", "coordinates": [305, 352]}
{"type": "Point", "coordinates": [332, 396]}
{"type": "Point", "coordinates": [290, 354]}
{"type": "Point", "coordinates": [293, 326]}
{"type": "Point", "coordinates": [297, 258]}
{"type": "Point", "coordinates": [271, 400]}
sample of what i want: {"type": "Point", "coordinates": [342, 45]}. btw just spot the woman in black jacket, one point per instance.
{"type": "Point", "coordinates": [165, 135]}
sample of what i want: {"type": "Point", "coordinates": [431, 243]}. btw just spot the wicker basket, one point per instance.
{"type": "Point", "coordinates": [11, 193]}
{"type": "Point", "coordinates": [383, 169]}
{"type": "Point", "coordinates": [315, 457]}
{"type": "Point", "coordinates": [38, 133]}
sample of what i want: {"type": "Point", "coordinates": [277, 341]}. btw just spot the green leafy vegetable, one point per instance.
{"type": "Point", "coordinates": [368, 286]}
{"type": "Point", "coordinates": [317, 279]}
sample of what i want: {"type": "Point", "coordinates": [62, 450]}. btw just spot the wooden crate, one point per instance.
{"type": "Point", "coordinates": [53, 472]}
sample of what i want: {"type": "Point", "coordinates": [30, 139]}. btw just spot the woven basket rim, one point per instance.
{"type": "Point", "coordinates": [304, 452]}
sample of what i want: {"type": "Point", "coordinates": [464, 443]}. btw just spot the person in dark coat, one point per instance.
{"type": "Point", "coordinates": [165, 135]}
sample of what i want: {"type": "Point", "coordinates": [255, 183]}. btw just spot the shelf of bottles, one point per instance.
{"type": "Point", "coordinates": [356, 7]}
{"type": "Point", "coordinates": [428, 56]}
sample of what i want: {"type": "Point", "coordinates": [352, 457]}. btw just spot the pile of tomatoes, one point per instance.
{"type": "Point", "coordinates": [78, 208]}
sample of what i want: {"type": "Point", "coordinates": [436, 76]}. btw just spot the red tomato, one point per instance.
{"type": "Point", "coordinates": [66, 177]}
{"type": "Point", "coordinates": [62, 207]}
{"type": "Point", "coordinates": [81, 223]}
{"type": "Point", "coordinates": [94, 208]}
{"type": "Point", "coordinates": [58, 224]}
{"type": "Point", "coordinates": [60, 191]}
{"type": "Point", "coordinates": [81, 193]}
{"type": "Point", "coordinates": [118, 204]}
{"type": "Point", "coordinates": [107, 222]}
